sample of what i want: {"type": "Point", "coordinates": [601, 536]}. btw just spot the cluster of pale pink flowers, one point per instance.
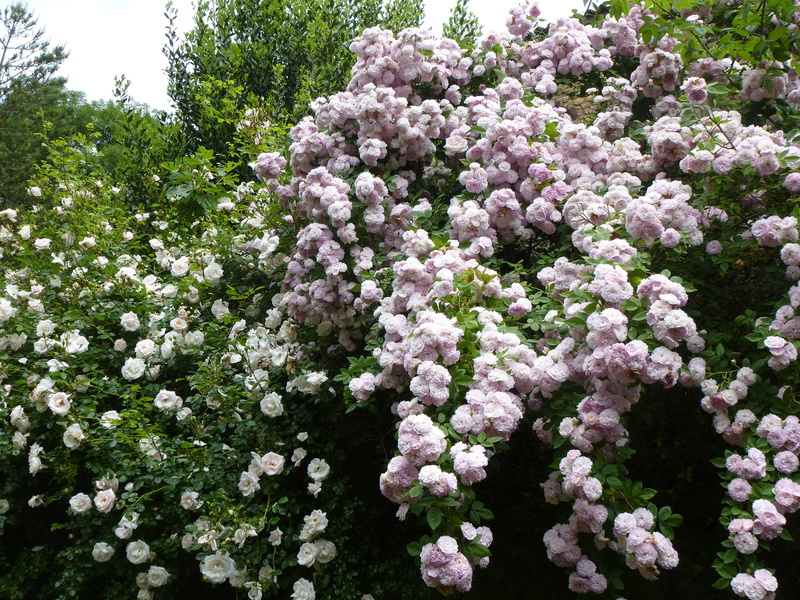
{"type": "Point", "coordinates": [719, 142]}
{"type": "Point", "coordinates": [644, 550]}
{"type": "Point", "coordinates": [365, 254]}
{"type": "Point", "coordinates": [619, 95]}
{"type": "Point", "coordinates": [370, 170]}
{"type": "Point", "coordinates": [443, 566]}
{"type": "Point", "coordinates": [761, 585]}
{"type": "Point", "coordinates": [659, 68]}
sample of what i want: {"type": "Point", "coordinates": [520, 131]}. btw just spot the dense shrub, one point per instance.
{"type": "Point", "coordinates": [444, 257]}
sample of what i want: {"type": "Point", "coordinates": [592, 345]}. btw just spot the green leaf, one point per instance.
{"type": "Point", "coordinates": [619, 8]}
{"type": "Point", "coordinates": [435, 518]}
{"type": "Point", "coordinates": [551, 130]}
{"type": "Point", "coordinates": [726, 570]}
{"type": "Point", "coordinates": [721, 584]}
{"type": "Point", "coordinates": [647, 493]}
{"type": "Point", "coordinates": [414, 548]}
{"type": "Point", "coordinates": [665, 513]}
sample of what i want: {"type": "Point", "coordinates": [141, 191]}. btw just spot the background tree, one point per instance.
{"type": "Point", "coordinates": [463, 24]}
{"type": "Point", "coordinates": [271, 54]}
{"type": "Point", "coordinates": [30, 96]}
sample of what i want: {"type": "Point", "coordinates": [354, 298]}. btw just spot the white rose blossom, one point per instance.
{"type": "Point", "coordinates": [107, 483]}
{"type": "Point", "coordinates": [189, 500]}
{"type": "Point", "coordinates": [216, 568]}
{"type": "Point", "coordinates": [19, 419]}
{"type": "Point", "coordinates": [315, 523]}
{"type": "Point", "coordinates": [325, 551]}
{"type": "Point", "coordinates": [126, 525]}
{"type": "Point", "coordinates": [74, 343]}
{"type": "Point", "coordinates": [318, 469]}
{"type": "Point", "coordinates": [102, 552]}
{"type": "Point", "coordinates": [244, 532]}
{"type": "Point", "coordinates": [179, 324]}
{"type": "Point", "coordinates": [19, 439]}
{"type": "Point", "coordinates": [308, 383]}
{"type": "Point", "coordinates": [271, 405]}
{"type": "Point", "coordinates": [59, 403]}
{"type": "Point", "coordinates": [303, 590]}
{"type": "Point", "coordinates": [145, 348]}
{"type": "Point", "coordinates": [34, 462]}
{"type": "Point", "coordinates": [138, 552]}
{"type": "Point", "coordinates": [219, 309]}
{"type": "Point", "coordinates": [275, 537]}
{"type": "Point", "coordinates": [6, 310]}
{"type": "Point", "coordinates": [133, 369]}
{"type": "Point", "coordinates": [213, 273]}
{"type": "Point", "coordinates": [45, 327]}
{"type": "Point", "coordinates": [104, 500]}
{"type": "Point", "coordinates": [269, 464]}
{"type": "Point", "coordinates": [129, 321]}
{"type": "Point", "coordinates": [110, 419]}
{"type": "Point", "coordinates": [73, 436]}
{"type": "Point", "coordinates": [167, 400]}
{"type": "Point", "coordinates": [80, 503]}
{"type": "Point", "coordinates": [187, 541]}
{"type": "Point", "coordinates": [307, 555]}
{"type": "Point", "coordinates": [180, 267]}
{"type": "Point", "coordinates": [149, 446]}
{"type": "Point", "coordinates": [298, 455]}
{"type": "Point", "coordinates": [157, 576]}
{"type": "Point", "coordinates": [248, 484]}
{"type": "Point", "coordinates": [253, 590]}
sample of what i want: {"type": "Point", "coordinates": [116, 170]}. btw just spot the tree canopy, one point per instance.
{"type": "Point", "coordinates": [31, 97]}
{"type": "Point", "coordinates": [277, 55]}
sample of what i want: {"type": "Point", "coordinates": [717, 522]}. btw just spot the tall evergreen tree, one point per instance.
{"type": "Point", "coordinates": [463, 24]}
{"type": "Point", "coordinates": [30, 97]}
{"type": "Point", "coordinates": [274, 54]}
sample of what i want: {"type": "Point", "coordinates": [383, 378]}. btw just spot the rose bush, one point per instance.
{"type": "Point", "coordinates": [447, 244]}
{"type": "Point", "coordinates": [150, 410]}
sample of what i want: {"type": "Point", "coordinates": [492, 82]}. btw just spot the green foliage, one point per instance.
{"type": "Point", "coordinates": [463, 25]}
{"type": "Point", "coordinates": [30, 97]}
{"type": "Point", "coordinates": [749, 31]}
{"type": "Point", "coordinates": [137, 145]}
{"type": "Point", "coordinates": [194, 184]}
{"type": "Point", "coordinates": [273, 55]}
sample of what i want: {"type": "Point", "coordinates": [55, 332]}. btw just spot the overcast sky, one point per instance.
{"type": "Point", "coordinates": [107, 38]}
